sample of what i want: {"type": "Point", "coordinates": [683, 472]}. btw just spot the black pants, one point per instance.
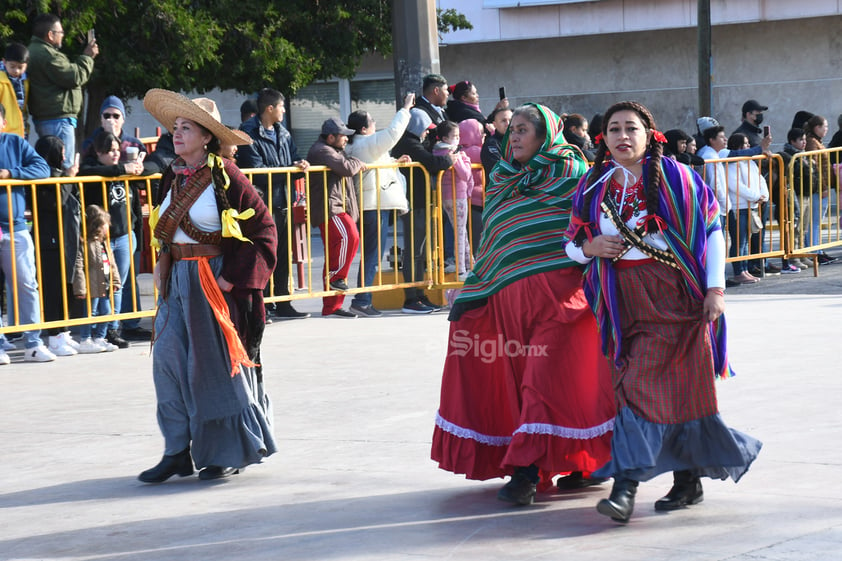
{"type": "Point", "coordinates": [281, 273]}
{"type": "Point", "coordinates": [414, 258]}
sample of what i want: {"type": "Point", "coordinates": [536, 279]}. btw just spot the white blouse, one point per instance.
{"type": "Point", "coordinates": [204, 214]}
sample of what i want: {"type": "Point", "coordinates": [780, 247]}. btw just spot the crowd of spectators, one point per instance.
{"type": "Point", "coordinates": [444, 129]}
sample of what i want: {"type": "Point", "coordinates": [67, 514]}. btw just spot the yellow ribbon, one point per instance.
{"type": "Point", "coordinates": [154, 214]}
{"type": "Point", "coordinates": [215, 160]}
{"type": "Point", "coordinates": [230, 226]}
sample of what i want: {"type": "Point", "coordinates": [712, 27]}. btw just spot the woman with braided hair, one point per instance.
{"type": "Point", "coordinates": [525, 390]}
{"type": "Point", "coordinates": [217, 246]}
{"type": "Point", "coordinates": [648, 230]}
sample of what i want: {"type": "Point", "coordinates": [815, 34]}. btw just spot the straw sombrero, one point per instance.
{"type": "Point", "coordinates": [166, 106]}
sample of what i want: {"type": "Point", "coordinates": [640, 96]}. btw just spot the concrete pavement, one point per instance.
{"type": "Point", "coordinates": [354, 407]}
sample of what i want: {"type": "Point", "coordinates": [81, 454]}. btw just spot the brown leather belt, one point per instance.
{"type": "Point", "coordinates": [187, 250]}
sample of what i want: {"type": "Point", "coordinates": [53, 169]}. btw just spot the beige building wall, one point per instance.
{"type": "Point", "coordinates": [788, 65]}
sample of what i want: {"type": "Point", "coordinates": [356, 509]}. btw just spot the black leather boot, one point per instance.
{"type": "Point", "coordinates": [521, 488]}
{"type": "Point", "coordinates": [620, 504]}
{"type": "Point", "coordinates": [180, 464]}
{"type": "Point", "coordinates": [217, 472]}
{"type": "Point", "coordinates": [577, 480]}
{"type": "Point", "coordinates": [686, 490]}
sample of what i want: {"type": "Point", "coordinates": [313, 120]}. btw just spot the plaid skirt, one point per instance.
{"type": "Point", "coordinates": [666, 399]}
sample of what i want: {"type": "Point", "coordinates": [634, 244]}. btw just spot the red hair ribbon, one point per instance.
{"type": "Point", "coordinates": [451, 88]}
{"type": "Point", "coordinates": [659, 136]}
{"type": "Point", "coordinates": [598, 139]}
{"type": "Point", "coordinates": [580, 224]}
{"type": "Point", "coordinates": [659, 222]}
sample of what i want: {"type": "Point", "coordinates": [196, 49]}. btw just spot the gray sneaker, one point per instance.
{"type": "Point", "coordinates": [366, 311]}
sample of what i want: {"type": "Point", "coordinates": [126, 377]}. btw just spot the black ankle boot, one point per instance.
{"type": "Point", "coordinates": [180, 464]}
{"type": "Point", "coordinates": [577, 480]}
{"type": "Point", "coordinates": [216, 472]}
{"type": "Point", "coordinates": [620, 504]}
{"type": "Point", "coordinates": [521, 488]}
{"type": "Point", "coordinates": [686, 490]}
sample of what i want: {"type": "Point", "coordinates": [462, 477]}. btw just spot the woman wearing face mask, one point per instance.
{"type": "Point", "coordinates": [648, 230]}
{"type": "Point", "coordinates": [525, 391]}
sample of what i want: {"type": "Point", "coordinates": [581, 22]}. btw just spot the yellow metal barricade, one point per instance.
{"type": "Point", "coordinates": [814, 180]}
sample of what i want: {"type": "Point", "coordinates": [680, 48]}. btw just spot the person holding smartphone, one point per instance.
{"type": "Point", "coordinates": [55, 83]}
{"type": "Point", "coordinates": [465, 104]}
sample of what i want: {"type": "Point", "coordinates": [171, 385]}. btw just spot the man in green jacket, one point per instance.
{"type": "Point", "coordinates": [55, 83]}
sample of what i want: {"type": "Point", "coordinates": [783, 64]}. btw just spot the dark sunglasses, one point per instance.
{"type": "Point", "coordinates": [111, 115]}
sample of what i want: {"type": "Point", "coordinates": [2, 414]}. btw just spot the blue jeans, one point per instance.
{"type": "Point", "coordinates": [29, 304]}
{"type": "Point", "coordinates": [371, 254]}
{"type": "Point", "coordinates": [64, 129]}
{"type": "Point", "coordinates": [99, 307]}
{"type": "Point", "coordinates": [122, 260]}
{"type": "Point", "coordinates": [126, 305]}
{"type": "Point", "coordinates": [739, 239]}
{"type": "Point", "coordinates": [814, 234]}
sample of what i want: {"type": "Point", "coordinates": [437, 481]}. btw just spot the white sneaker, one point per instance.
{"type": "Point", "coordinates": [106, 345]}
{"type": "Point", "coordinates": [59, 347]}
{"type": "Point", "coordinates": [7, 345]}
{"type": "Point", "coordinates": [38, 354]}
{"type": "Point", "coordinates": [68, 340]}
{"type": "Point", "coordinates": [4, 358]}
{"type": "Point", "coordinates": [89, 346]}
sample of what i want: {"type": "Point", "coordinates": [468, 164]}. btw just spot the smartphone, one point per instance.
{"type": "Point", "coordinates": [767, 131]}
{"type": "Point", "coordinates": [502, 92]}
{"type": "Point", "coordinates": [91, 37]}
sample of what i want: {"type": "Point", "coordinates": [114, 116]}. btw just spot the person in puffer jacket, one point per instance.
{"type": "Point", "coordinates": [472, 136]}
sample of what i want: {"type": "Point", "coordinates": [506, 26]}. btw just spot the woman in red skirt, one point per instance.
{"type": "Point", "coordinates": [648, 230]}
{"type": "Point", "coordinates": [526, 391]}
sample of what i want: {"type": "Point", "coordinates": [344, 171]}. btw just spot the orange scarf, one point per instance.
{"type": "Point", "coordinates": [236, 351]}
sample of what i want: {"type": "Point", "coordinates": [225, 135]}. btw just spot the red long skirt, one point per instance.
{"type": "Point", "coordinates": [525, 383]}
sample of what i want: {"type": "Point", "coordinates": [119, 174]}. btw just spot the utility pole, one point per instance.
{"type": "Point", "coordinates": [415, 44]}
{"type": "Point", "coordinates": [705, 56]}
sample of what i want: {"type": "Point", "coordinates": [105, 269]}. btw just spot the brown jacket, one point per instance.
{"type": "Point", "coordinates": [99, 280]}
{"type": "Point", "coordinates": [339, 189]}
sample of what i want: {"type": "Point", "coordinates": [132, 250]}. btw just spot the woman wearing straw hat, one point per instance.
{"type": "Point", "coordinates": [217, 251]}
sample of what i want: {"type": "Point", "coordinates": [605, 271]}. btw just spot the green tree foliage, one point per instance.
{"type": "Point", "coordinates": [198, 45]}
{"type": "Point", "coordinates": [204, 44]}
{"type": "Point", "coordinates": [451, 20]}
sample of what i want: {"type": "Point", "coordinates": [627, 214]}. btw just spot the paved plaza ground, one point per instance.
{"type": "Point", "coordinates": [354, 404]}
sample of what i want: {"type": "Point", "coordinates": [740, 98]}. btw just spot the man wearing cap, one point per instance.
{"type": "Point", "coordinates": [752, 118]}
{"type": "Point", "coordinates": [55, 83]}
{"type": "Point", "coordinates": [112, 114]}
{"type": "Point", "coordinates": [414, 222]}
{"type": "Point", "coordinates": [335, 190]}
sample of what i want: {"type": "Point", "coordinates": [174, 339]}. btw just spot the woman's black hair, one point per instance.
{"type": "Point", "coordinates": [737, 141]}
{"type": "Point", "coordinates": [460, 89]}
{"type": "Point", "coordinates": [673, 137]}
{"type": "Point", "coordinates": [445, 128]}
{"type": "Point", "coordinates": [213, 145]}
{"type": "Point", "coordinates": [654, 149]}
{"type": "Point", "coordinates": [103, 142]}
{"type": "Point", "coordinates": [50, 148]}
{"type": "Point", "coordinates": [357, 121]}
